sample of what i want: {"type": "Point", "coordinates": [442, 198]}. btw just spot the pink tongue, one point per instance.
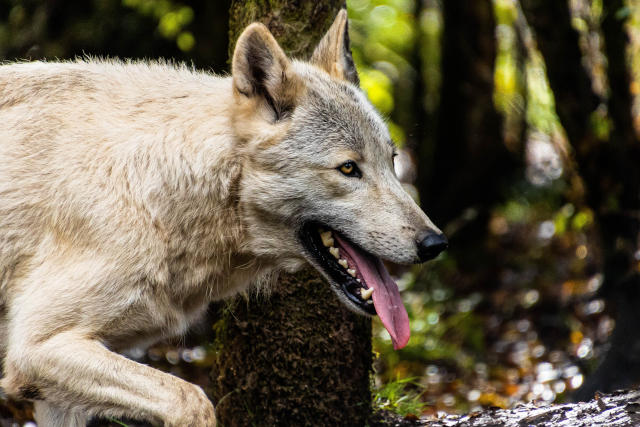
{"type": "Point", "coordinates": [386, 296]}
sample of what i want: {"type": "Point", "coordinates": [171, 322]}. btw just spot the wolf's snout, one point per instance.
{"type": "Point", "coordinates": [430, 245]}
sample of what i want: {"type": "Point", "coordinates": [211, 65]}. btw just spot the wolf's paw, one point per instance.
{"type": "Point", "coordinates": [193, 410]}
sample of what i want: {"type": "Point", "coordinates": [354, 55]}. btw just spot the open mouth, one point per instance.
{"type": "Point", "coordinates": [360, 276]}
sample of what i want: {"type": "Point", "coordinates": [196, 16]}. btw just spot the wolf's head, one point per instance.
{"type": "Point", "coordinates": [318, 180]}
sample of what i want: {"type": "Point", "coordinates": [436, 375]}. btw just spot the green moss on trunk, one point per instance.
{"type": "Point", "coordinates": [298, 25]}
{"type": "Point", "coordinates": [297, 357]}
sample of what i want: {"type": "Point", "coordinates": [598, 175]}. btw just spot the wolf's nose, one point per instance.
{"type": "Point", "coordinates": [431, 245]}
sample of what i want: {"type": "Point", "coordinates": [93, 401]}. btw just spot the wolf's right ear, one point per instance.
{"type": "Point", "coordinates": [333, 53]}
{"type": "Point", "coordinates": [261, 69]}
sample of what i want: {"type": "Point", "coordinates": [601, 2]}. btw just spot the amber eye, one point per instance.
{"type": "Point", "coordinates": [347, 168]}
{"type": "Point", "coordinates": [350, 168]}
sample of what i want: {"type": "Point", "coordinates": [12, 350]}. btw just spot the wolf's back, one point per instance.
{"type": "Point", "coordinates": [91, 153]}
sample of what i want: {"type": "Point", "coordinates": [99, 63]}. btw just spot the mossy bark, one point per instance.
{"type": "Point", "coordinates": [298, 25]}
{"type": "Point", "coordinates": [297, 357]}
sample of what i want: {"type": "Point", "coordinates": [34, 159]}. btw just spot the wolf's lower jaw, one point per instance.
{"type": "Point", "coordinates": [319, 241]}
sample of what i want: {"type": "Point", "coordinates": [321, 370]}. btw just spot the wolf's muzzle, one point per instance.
{"type": "Point", "coordinates": [430, 245]}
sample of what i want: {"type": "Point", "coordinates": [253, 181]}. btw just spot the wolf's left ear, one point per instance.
{"type": "Point", "coordinates": [333, 53]}
{"type": "Point", "coordinates": [261, 70]}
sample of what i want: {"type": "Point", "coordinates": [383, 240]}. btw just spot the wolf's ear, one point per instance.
{"type": "Point", "coordinates": [261, 69]}
{"type": "Point", "coordinates": [333, 53]}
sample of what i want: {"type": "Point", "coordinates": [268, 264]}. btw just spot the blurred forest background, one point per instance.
{"type": "Point", "coordinates": [518, 123]}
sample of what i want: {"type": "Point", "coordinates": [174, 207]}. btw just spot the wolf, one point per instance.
{"type": "Point", "coordinates": [134, 193]}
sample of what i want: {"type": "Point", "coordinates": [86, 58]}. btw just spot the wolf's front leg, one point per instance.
{"type": "Point", "coordinates": [71, 372]}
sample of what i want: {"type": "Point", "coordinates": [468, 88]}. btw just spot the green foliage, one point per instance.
{"type": "Point", "coordinates": [514, 83]}
{"type": "Point", "coordinates": [383, 34]}
{"type": "Point", "coordinates": [431, 26]}
{"type": "Point", "coordinates": [601, 124]}
{"type": "Point", "coordinates": [120, 423]}
{"type": "Point", "coordinates": [172, 18]}
{"type": "Point", "coordinates": [378, 87]}
{"type": "Point", "coordinates": [623, 13]}
{"type": "Point", "coordinates": [541, 108]}
{"type": "Point", "coordinates": [506, 76]}
{"type": "Point", "coordinates": [399, 396]}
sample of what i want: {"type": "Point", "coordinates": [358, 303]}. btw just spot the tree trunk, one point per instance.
{"type": "Point", "coordinates": [457, 176]}
{"type": "Point", "coordinates": [297, 357]}
{"type": "Point", "coordinates": [469, 145]}
{"type": "Point", "coordinates": [608, 168]}
{"type": "Point", "coordinates": [298, 25]}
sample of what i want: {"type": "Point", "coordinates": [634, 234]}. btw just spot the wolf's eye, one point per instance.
{"type": "Point", "coordinates": [350, 169]}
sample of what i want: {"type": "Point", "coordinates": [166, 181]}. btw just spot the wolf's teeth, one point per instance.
{"type": "Point", "coordinates": [335, 252]}
{"type": "Point", "coordinates": [366, 293]}
{"type": "Point", "coordinates": [343, 262]}
{"type": "Point", "coordinates": [352, 272]}
{"type": "Point", "coordinates": [327, 240]}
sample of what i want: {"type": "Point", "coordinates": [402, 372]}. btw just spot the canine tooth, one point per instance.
{"type": "Point", "coordinates": [335, 252]}
{"type": "Point", "coordinates": [366, 293]}
{"type": "Point", "coordinates": [352, 272]}
{"type": "Point", "coordinates": [343, 262]}
{"type": "Point", "coordinates": [327, 240]}
{"type": "Point", "coordinates": [358, 280]}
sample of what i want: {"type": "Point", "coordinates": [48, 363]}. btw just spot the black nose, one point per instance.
{"type": "Point", "coordinates": [431, 246]}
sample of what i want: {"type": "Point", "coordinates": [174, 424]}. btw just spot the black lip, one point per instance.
{"type": "Point", "coordinates": [311, 240]}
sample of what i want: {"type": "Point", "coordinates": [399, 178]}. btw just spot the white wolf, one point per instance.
{"type": "Point", "coordinates": [132, 194]}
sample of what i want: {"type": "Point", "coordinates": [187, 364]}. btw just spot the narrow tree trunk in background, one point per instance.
{"type": "Point", "coordinates": [413, 118]}
{"type": "Point", "coordinates": [609, 169]}
{"type": "Point", "coordinates": [460, 170]}
{"type": "Point", "coordinates": [468, 127]}
{"type": "Point", "coordinates": [297, 357]}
